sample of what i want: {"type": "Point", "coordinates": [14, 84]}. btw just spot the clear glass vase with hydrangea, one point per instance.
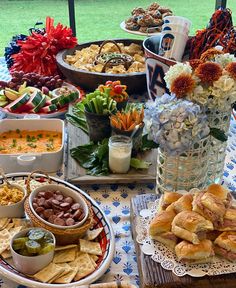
{"type": "Point", "coordinates": [211, 82]}
{"type": "Point", "coordinates": [181, 129]}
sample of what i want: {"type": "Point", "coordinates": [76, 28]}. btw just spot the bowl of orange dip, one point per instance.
{"type": "Point", "coordinates": [31, 144]}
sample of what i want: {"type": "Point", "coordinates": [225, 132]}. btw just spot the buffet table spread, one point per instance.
{"type": "Point", "coordinates": [115, 199]}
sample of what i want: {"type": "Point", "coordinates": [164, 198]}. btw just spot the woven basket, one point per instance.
{"type": "Point", "coordinates": [63, 236]}
{"type": "Point", "coordinates": [117, 284]}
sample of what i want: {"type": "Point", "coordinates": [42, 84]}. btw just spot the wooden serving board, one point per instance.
{"type": "Point", "coordinates": [75, 174]}
{"type": "Point", "coordinates": [153, 275]}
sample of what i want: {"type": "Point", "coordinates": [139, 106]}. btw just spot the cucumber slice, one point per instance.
{"type": "Point", "coordinates": [40, 105]}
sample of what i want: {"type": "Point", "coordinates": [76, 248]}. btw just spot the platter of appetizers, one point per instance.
{"type": "Point", "coordinates": [34, 94]}
{"type": "Point", "coordinates": [62, 231]}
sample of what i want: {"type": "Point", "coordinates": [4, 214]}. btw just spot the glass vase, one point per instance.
{"type": "Point", "coordinates": [184, 171]}
{"type": "Point", "coordinates": [221, 120]}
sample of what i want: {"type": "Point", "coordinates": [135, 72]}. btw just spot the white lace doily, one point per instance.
{"type": "Point", "coordinates": [167, 258]}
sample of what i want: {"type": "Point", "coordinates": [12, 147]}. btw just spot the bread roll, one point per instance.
{"type": "Point", "coordinates": [189, 225]}
{"type": "Point", "coordinates": [195, 253]}
{"type": "Point", "coordinates": [161, 223]}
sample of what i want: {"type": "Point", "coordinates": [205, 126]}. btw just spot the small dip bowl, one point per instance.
{"type": "Point", "coordinates": [31, 264]}
{"type": "Point", "coordinates": [12, 210]}
{"type": "Point", "coordinates": [47, 205]}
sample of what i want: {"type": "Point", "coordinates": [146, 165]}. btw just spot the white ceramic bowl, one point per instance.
{"type": "Point", "coordinates": [65, 191]}
{"type": "Point", "coordinates": [31, 264]}
{"type": "Point", "coordinates": [14, 210]}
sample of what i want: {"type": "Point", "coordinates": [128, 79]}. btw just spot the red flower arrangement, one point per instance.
{"type": "Point", "coordinates": [38, 51]}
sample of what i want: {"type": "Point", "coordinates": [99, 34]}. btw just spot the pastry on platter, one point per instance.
{"type": "Point", "coordinates": [191, 226]}
{"type": "Point", "coordinates": [220, 192]}
{"type": "Point", "coordinates": [160, 228]}
{"type": "Point", "coordinates": [195, 253]}
{"type": "Point", "coordinates": [225, 245]}
{"type": "Point", "coordinates": [229, 220]}
{"type": "Point", "coordinates": [182, 204]}
{"type": "Point", "coordinates": [168, 198]}
{"type": "Point", "coordinates": [209, 206]}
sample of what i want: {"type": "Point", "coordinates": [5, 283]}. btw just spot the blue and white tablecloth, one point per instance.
{"type": "Point", "coordinates": [115, 202]}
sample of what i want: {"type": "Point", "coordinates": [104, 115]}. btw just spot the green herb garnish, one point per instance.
{"type": "Point", "coordinates": [13, 143]}
{"type": "Point", "coordinates": [18, 131]}
{"type": "Point", "coordinates": [2, 148]}
{"type": "Point", "coordinates": [40, 136]}
{"type": "Point", "coordinates": [32, 145]}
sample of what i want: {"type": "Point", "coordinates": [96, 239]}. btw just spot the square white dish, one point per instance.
{"type": "Point", "coordinates": [26, 162]}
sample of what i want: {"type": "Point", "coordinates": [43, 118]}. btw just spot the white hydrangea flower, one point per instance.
{"type": "Point", "coordinates": [224, 59]}
{"type": "Point", "coordinates": [175, 71]}
{"type": "Point", "coordinates": [224, 83]}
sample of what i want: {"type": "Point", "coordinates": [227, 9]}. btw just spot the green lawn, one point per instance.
{"type": "Point", "coordinates": [95, 19]}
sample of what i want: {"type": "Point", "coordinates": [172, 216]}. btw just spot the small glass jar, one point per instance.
{"type": "Point", "coordinates": [120, 148]}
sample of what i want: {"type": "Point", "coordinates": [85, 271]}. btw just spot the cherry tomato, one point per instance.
{"type": "Point", "coordinates": [108, 82]}
{"type": "Point", "coordinates": [118, 89]}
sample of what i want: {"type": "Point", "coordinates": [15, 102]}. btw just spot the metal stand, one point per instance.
{"type": "Point", "coordinates": [71, 6]}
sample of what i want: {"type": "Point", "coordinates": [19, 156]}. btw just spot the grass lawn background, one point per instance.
{"type": "Point", "coordinates": [95, 19]}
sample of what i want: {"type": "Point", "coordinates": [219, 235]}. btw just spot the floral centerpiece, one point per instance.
{"type": "Point", "coordinates": [181, 129]}
{"type": "Point", "coordinates": [210, 82]}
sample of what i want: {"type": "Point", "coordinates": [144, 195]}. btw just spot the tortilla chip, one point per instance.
{"type": "Point", "coordinates": [6, 254]}
{"type": "Point", "coordinates": [67, 255]}
{"type": "Point", "coordinates": [59, 248]}
{"type": "Point", "coordinates": [94, 257]}
{"type": "Point", "coordinates": [85, 267]}
{"type": "Point", "coordinates": [5, 239]}
{"type": "Point", "coordinates": [90, 247]}
{"type": "Point", "coordinates": [49, 272]}
{"type": "Point", "coordinates": [4, 222]}
{"type": "Point", "coordinates": [92, 234]}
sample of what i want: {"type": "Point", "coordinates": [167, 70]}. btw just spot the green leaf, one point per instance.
{"type": "Point", "coordinates": [139, 164]}
{"type": "Point", "coordinates": [218, 134]}
{"type": "Point", "coordinates": [148, 144]}
{"type": "Point", "coordinates": [93, 157]}
{"type": "Point", "coordinates": [77, 122]}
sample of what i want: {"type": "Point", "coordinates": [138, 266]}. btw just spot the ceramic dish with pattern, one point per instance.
{"type": "Point", "coordinates": [105, 239]}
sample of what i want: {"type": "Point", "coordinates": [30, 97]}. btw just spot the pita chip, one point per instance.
{"type": "Point", "coordinates": [90, 247]}
{"type": "Point", "coordinates": [92, 234]}
{"type": "Point", "coordinates": [49, 272]}
{"type": "Point", "coordinates": [5, 239]}
{"type": "Point", "coordinates": [4, 222]}
{"type": "Point", "coordinates": [59, 248]}
{"type": "Point", "coordinates": [67, 276]}
{"type": "Point", "coordinates": [6, 254]}
{"type": "Point", "coordinates": [85, 266]}
{"type": "Point", "coordinates": [66, 270]}
{"type": "Point", "coordinates": [94, 257]}
{"type": "Point", "coordinates": [67, 255]}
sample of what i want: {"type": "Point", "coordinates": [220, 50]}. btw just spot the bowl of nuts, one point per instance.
{"type": "Point", "coordinates": [58, 206]}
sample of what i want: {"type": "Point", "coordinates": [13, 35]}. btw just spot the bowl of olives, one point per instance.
{"type": "Point", "coordinates": [32, 249]}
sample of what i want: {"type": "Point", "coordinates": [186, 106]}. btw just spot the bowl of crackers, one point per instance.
{"type": "Point", "coordinates": [12, 197]}
{"type": "Point", "coordinates": [80, 65]}
{"type": "Point", "coordinates": [32, 249]}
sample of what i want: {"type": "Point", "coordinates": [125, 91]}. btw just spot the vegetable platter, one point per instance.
{"type": "Point", "coordinates": [105, 238]}
{"type": "Point", "coordinates": [33, 94]}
